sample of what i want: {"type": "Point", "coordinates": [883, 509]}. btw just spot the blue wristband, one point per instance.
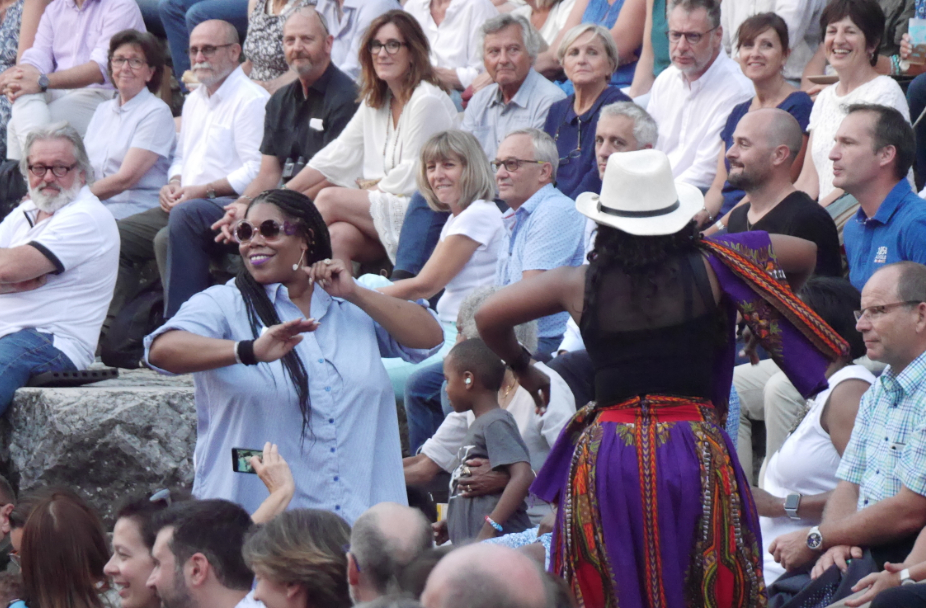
{"type": "Point", "coordinates": [494, 524]}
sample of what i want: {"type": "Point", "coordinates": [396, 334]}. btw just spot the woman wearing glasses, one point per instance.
{"type": "Point", "coordinates": [589, 57]}
{"type": "Point", "coordinates": [362, 181]}
{"type": "Point", "coordinates": [130, 138]}
{"type": "Point", "coordinates": [290, 352]}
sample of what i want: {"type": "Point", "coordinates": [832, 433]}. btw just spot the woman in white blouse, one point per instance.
{"type": "Point", "coordinates": [362, 181]}
{"type": "Point", "coordinates": [130, 138]}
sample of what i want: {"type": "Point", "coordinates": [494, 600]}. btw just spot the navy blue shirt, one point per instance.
{"type": "Point", "coordinates": [577, 175]}
{"type": "Point", "coordinates": [798, 104]}
{"type": "Point", "coordinates": [896, 233]}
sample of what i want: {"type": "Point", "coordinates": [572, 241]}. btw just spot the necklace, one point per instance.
{"type": "Point", "coordinates": [506, 390]}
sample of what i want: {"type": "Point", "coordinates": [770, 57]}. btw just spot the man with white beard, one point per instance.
{"type": "Point", "coordinates": [59, 254]}
{"type": "Point", "coordinates": [217, 157]}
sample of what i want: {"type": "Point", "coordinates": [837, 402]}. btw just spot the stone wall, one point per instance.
{"type": "Point", "coordinates": [107, 441]}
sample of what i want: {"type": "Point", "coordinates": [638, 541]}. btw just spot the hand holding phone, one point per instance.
{"type": "Point", "coordinates": [241, 460]}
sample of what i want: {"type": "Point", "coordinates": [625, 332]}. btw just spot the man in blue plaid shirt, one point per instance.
{"type": "Point", "coordinates": [881, 495]}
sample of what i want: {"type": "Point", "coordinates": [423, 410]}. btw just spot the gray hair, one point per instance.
{"type": "Point", "coordinates": [526, 333]}
{"type": "Point", "coordinates": [392, 601]}
{"type": "Point", "coordinates": [309, 11]}
{"type": "Point", "coordinates": [544, 147]}
{"type": "Point", "coordinates": [645, 130]}
{"type": "Point", "coordinates": [381, 557]}
{"type": "Point", "coordinates": [531, 38]}
{"type": "Point", "coordinates": [911, 280]}
{"type": "Point", "coordinates": [603, 34]}
{"type": "Point", "coordinates": [711, 6]}
{"type": "Point", "coordinates": [58, 130]}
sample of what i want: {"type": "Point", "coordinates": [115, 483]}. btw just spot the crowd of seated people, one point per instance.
{"type": "Point", "coordinates": [367, 172]}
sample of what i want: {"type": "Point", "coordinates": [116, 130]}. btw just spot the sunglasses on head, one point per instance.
{"type": "Point", "coordinates": [269, 229]}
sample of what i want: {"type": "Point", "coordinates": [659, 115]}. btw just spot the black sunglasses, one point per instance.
{"type": "Point", "coordinates": [269, 229]}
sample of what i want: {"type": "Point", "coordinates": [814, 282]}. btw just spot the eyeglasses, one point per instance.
{"type": "Point", "coordinates": [512, 164]}
{"type": "Point", "coordinates": [577, 153]}
{"type": "Point", "coordinates": [269, 229]}
{"type": "Point", "coordinates": [875, 312]}
{"type": "Point", "coordinates": [392, 46]}
{"type": "Point", "coordinates": [134, 62]}
{"type": "Point", "coordinates": [57, 170]}
{"type": "Point", "coordinates": [692, 37]}
{"type": "Point", "coordinates": [346, 549]}
{"type": "Point", "coordinates": [208, 50]}
{"type": "Point", "coordinates": [162, 495]}
{"type": "Point", "coordinates": [15, 558]}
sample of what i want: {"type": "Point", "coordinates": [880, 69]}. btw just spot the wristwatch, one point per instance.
{"type": "Point", "coordinates": [815, 539]}
{"type": "Point", "coordinates": [210, 192]}
{"type": "Point", "coordinates": [905, 578]}
{"type": "Point", "coordinates": [43, 82]}
{"type": "Point", "coordinates": [792, 503]}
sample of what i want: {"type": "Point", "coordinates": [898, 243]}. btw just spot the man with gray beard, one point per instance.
{"type": "Point", "coordinates": [59, 254]}
{"type": "Point", "coordinates": [217, 157]}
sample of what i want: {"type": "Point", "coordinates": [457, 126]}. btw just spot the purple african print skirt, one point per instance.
{"type": "Point", "coordinates": [653, 511]}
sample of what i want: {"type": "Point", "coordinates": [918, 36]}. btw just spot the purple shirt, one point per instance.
{"type": "Point", "coordinates": [83, 35]}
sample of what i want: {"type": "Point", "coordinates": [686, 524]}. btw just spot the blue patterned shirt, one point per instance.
{"type": "Point", "coordinates": [350, 458]}
{"type": "Point", "coordinates": [888, 444]}
{"type": "Point", "coordinates": [546, 232]}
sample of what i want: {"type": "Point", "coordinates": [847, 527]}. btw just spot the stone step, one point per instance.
{"type": "Point", "coordinates": [107, 441]}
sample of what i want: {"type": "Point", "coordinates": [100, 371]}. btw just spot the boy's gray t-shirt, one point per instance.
{"type": "Point", "coordinates": [494, 436]}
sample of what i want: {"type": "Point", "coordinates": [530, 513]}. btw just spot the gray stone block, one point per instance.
{"type": "Point", "coordinates": [107, 441]}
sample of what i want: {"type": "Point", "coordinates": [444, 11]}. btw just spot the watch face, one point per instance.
{"type": "Point", "coordinates": [792, 501]}
{"type": "Point", "coordinates": [814, 540]}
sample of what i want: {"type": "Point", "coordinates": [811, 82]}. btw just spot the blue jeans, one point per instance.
{"type": "Point", "coordinates": [419, 236]}
{"type": "Point", "coordinates": [179, 17]}
{"type": "Point", "coordinates": [152, 16]}
{"type": "Point", "coordinates": [24, 354]}
{"type": "Point", "coordinates": [916, 98]}
{"type": "Point", "coordinates": [191, 247]}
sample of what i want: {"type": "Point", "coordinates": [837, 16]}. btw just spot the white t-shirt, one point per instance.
{"type": "Point", "coordinates": [805, 464]}
{"type": "Point", "coordinates": [82, 241]}
{"type": "Point", "coordinates": [828, 111]}
{"type": "Point", "coordinates": [482, 222]}
{"type": "Point", "coordinates": [538, 432]}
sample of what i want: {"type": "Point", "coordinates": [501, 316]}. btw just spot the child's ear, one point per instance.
{"type": "Point", "coordinates": [468, 379]}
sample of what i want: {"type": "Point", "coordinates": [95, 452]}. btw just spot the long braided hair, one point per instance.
{"type": "Point", "coordinates": [296, 207]}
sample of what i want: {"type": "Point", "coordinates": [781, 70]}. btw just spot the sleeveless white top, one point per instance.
{"type": "Point", "coordinates": [806, 464]}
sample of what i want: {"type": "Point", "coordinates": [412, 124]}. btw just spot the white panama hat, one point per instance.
{"type": "Point", "coordinates": [640, 196]}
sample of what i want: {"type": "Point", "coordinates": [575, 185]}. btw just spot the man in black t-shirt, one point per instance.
{"type": "Point", "coordinates": [765, 144]}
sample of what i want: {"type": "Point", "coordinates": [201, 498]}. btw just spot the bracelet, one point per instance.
{"type": "Point", "coordinates": [244, 352]}
{"type": "Point", "coordinates": [493, 523]}
{"type": "Point", "coordinates": [710, 218]}
{"type": "Point", "coordinates": [895, 65]}
{"type": "Point", "coordinates": [719, 225]}
{"type": "Point", "coordinates": [250, 198]}
{"type": "Point", "coordinates": [175, 180]}
{"type": "Point", "coordinates": [522, 362]}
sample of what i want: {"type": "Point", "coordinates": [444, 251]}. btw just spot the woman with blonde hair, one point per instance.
{"type": "Point", "coordinates": [362, 181]}
{"type": "Point", "coordinates": [299, 561]}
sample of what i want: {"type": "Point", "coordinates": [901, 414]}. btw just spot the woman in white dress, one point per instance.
{"type": "Point", "coordinates": [362, 181]}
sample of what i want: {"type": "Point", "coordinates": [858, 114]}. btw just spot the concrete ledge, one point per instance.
{"type": "Point", "coordinates": [107, 441]}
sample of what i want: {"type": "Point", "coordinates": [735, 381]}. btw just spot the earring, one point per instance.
{"type": "Point", "coordinates": [299, 263]}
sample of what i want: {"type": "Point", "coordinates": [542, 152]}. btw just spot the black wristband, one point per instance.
{"type": "Point", "coordinates": [246, 352]}
{"type": "Point", "coordinates": [521, 362]}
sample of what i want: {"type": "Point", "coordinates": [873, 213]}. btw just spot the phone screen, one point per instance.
{"type": "Point", "coordinates": [241, 459]}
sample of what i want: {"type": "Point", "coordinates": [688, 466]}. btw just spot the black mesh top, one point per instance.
{"type": "Point", "coordinates": [658, 333]}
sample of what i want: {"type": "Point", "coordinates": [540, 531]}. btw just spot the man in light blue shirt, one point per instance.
{"type": "Point", "coordinates": [348, 21]}
{"type": "Point", "coordinates": [519, 97]}
{"type": "Point", "coordinates": [543, 230]}
{"type": "Point", "coordinates": [890, 225]}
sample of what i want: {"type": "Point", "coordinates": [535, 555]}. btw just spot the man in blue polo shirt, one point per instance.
{"type": "Point", "coordinates": [872, 155]}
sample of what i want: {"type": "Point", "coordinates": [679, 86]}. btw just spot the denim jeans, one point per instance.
{"type": "Point", "coordinates": [152, 16]}
{"type": "Point", "coordinates": [179, 17]}
{"type": "Point", "coordinates": [24, 354]}
{"type": "Point", "coordinates": [191, 247]}
{"type": "Point", "coordinates": [419, 236]}
{"type": "Point", "coordinates": [916, 98]}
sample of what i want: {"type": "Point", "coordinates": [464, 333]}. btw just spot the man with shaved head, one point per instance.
{"type": "Point", "coordinates": [765, 144]}
{"type": "Point", "coordinates": [384, 539]}
{"type": "Point", "coordinates": [485, 576]}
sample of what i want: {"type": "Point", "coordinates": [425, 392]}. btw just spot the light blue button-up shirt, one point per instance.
{"type": "Point", "coordinates": [545, 232]}
{"type": "Point", "coordinates": [490, 119]}
{"type": "Point", "coordinates": [350, 458]}
{"type": "Point", "coordinates": [348, 28]}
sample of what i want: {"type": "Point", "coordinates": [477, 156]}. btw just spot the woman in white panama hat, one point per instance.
{"type": "Point", "coordinates": [653, 511]}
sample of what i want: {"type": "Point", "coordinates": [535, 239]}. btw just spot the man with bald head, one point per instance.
{"type": "Point", "coordinates": [485, 576]}
{"type": "Point", "coordinates": [383, 540]}
{"type": "Point", "coordinates": [765, 144]}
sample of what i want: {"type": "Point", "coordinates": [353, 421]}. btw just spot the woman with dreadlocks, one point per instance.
{"type": "Point", "coordinates": [653, 510]}
{"type": "Point", "coordinates": [290, 352]}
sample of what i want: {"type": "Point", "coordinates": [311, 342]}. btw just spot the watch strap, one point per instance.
{"type": "Point", "coordinates": [905, 578]}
